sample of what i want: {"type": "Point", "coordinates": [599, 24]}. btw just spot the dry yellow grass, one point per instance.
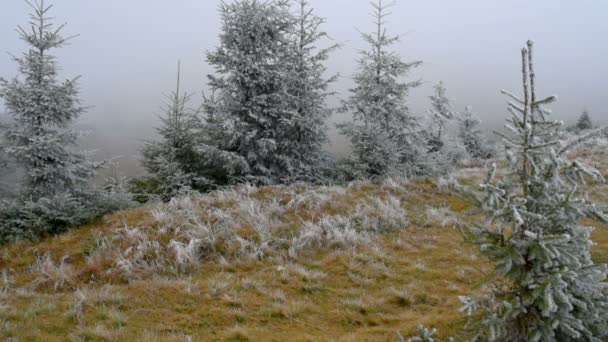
{"type": "Point", "coordinates": [367, 293]}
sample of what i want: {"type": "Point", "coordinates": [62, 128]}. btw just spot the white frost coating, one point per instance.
{"type": "Point", "coordinates": [535, 237]}
{"type": "Point", "coordinates": [266, 113]}
{"type": "Point", "coordinates": [238, 224]}
{"type": "Point", "coordinates": [384, 135]}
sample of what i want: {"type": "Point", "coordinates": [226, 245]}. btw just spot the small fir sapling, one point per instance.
{"type": "Point", "coordinates": [584, 121]}
{"type": "Point", "coordinates": [471, 135]}
{"type": "Point", "coordinates": [445, 149]}
{"type": "Point", "coordinates": [441, 111]}
{"type": "Point", "coordinates": [551, 289]}
{"type": "Point", "coordinates": [173, 161]}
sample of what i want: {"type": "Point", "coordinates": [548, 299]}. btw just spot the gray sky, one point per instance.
{"type": "Point", "coordinates": [127, 53]}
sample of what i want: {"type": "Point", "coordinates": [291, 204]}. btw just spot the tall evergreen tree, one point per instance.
{"type": "Point", "coordinates": [552, 290]}
{"type": "Point", "coordinates": [472, 137]}
{"type": "Point", "coordinates": [172, 161]}
{"type": "Point", "coordinates": [383, 133]}
{"type": "Point", "coordinates": [252, 115]}
{"type": "Point", "coordinates": [42, 108]}
{"type": "Point", "coordinates": [57, 192]}
{"type": "Point", "coordinates": [310, 90]}
{"type": "Point", "coordinates": [584, 121]}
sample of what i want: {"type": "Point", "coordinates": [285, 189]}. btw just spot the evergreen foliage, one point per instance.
{"type": "Point", "coordinates": [56, 192]}
{"type": "Point", "coordinates": [42, 108]}
{"type": "Point", "coordinates": [470, 134]}
{"type": "Point", "coordinates": [173, 161]}
{"type": "Point", "coordinates": [441, 112]}
{"type": "Point", "coordinates": [423, 334]}
{"type": "Point", "coordinates": [309, 90]}
{"type": "Point", "coordinates": [584, 121]}
{"type": "Point", "coordinates": [6, 167]}
{"type": "Point", "coordinates": [384, 134]}
{"type": "Point", "coordinates": [255, 110]}
{"type": "Point", "coordinates": [552, 291]}
{"type": "Point", "coordinates": [446, 150]}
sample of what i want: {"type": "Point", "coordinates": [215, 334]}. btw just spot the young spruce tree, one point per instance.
{"type": "Point", "coordinates": [173, 161]}
{"type": "Point", "coordinates": [309, 89]}
{"type": "Point", "coordinates": [250, 118]}
{"type": "Point", "coordinates": [441, 112]}
{"type": "Point", "coordinates": [584, 121]}
{"type": "Point", "coordinates": [552, 291]}
{"type": "Point", "coordinates": [383, 134]}
{"type": "Point", "coordinates": [472, 137]}
{"type": "Point", "coordinates": [56, 193]}
{"type": "Point", "coordinates": [42, 108]}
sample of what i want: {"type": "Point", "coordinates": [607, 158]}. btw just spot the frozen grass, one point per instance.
{"type": "Point", "coordinates": [351, 263]}
{"type": "Point", "coordinates": [50, 275]}
{"type": "Point", "coordinates": [246, 223]}
{"type": "Point", "coordinates": [442, 216]}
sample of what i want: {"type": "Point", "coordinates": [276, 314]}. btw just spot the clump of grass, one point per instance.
{"type": "Point", "coordinates": [219, 284]}
{"type": "Point", "coordinates": [102, 298]}
{"type": "Point", "coordinates": [400, 297]}
{"type": "Point", "coordinates": [50, 275]}
{"type": "Point", "coordinates": [441, 216]}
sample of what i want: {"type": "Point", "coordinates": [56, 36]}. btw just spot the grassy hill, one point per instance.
{"type": "Point", "coordinates": [301, 263]}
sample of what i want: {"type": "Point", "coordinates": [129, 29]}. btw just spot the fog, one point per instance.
{"type": "Point", "coordinates": [127, 53]}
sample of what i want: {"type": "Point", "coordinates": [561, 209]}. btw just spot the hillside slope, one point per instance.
{"type": "Point", "coordinates": [301, 263]}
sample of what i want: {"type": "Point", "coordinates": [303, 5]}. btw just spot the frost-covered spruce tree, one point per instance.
{"type": "Point", "coordinates": [250, 120]}
{"type": "Point", "coordinates": [56, 193]}
{"type": "Point", "coordinates": [552, 290]}
{"type": "Point", "coordinates": [309, 89]}
{"type": "Point", "coordinates": [441, 111]}
{"type": "Point", "coordinates": [584, 121]}
{"type": "Point", "coordinates": [42, 108]}
{"type": "Point", "coordinates": [173, 161]}
{"type": "Point", "coordinates": [383, 134]}
{"type": "Point", "coordinates": [471, 135]}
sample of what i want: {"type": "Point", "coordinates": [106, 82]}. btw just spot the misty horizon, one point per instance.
{"type": "Point", "coordinates": [127, 55]}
